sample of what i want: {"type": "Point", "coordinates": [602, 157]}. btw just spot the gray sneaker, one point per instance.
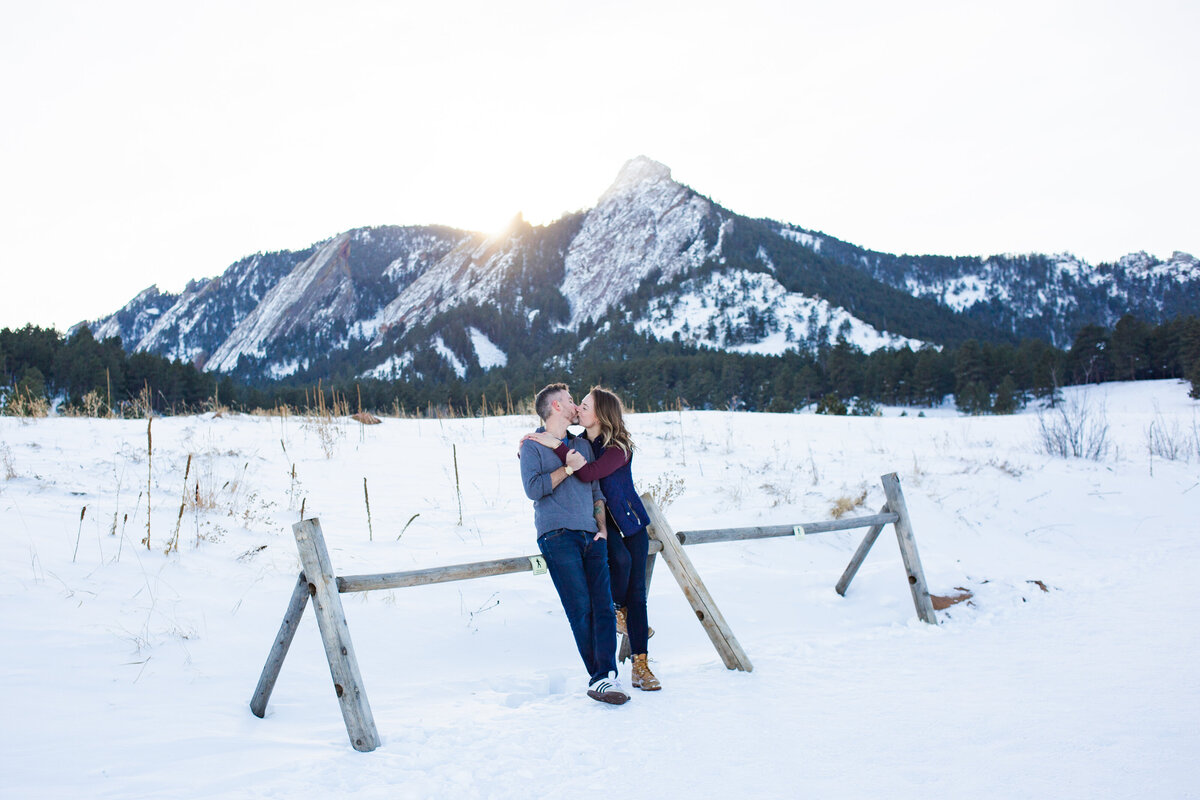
{"type": "Point", "coordinates": [608, 690]}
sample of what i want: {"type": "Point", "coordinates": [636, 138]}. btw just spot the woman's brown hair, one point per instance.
{"type": "Point", "coordinates": [610, 413]}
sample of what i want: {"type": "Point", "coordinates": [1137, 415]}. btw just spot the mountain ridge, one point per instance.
{"type": "Point", "coordinates": [653, 257]}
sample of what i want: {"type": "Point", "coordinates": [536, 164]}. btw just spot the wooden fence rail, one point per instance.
{"type": "Point", "coordinates": [319, 583]}
{"type": "Point", "coordinates": [773, 531]}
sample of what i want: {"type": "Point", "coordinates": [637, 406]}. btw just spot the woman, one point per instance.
{"type": "Point", "coordinates": [602, 416]}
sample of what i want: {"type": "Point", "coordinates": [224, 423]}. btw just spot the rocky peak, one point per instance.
{"type": "Point", "coordinates": [1138, 261]}
{"type": "Point", "coordinates": [637, 173]}
{"type": "Point", "coordinates": [645, 222]}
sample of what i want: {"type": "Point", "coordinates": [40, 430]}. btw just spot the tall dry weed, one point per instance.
{"type": "Point", "coordinates": [26, 405]}
{"type": "Point", "coordinates": [324, 421]}
{"type": "Point", "coordinates": [6, 460]}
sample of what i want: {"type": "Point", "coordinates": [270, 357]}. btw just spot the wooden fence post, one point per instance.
{"type": "Point", "coordinates": [279, 650]}
{"type": "Point", "coordinates": [860, 555]}
{"type": "Point", "coordinates": [335, 634]}
{"type": "Point", "coordinates": [694, 590]}
{"type": "Point", "coordinates": [908, 548]}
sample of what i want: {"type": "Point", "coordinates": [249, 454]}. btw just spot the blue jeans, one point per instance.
{"type": "Point", "coordinates": [579, 568]}
{"type": "Point", "coordinates": [627, 561]}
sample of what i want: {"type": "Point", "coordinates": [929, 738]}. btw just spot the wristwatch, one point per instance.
{"type": "Point", "coordinates": [570, 470]}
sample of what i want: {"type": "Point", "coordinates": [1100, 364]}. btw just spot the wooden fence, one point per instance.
{"type": "Point", "coordinates": [318, 582]}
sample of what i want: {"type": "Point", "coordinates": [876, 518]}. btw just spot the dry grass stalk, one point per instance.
{"type": "Point", "coordinates": [844, 505]}
{"type": "Point", "coordinates": [142, 404]}
{"type": "Point", "coordinates": [324, 422]}
{"type": "Point", "coordinates": [214, 403]}
{"type": "Point", "coordinates": [410, 522]}
{"type": "Point", "coordinates": [149, 475]}
{"type": "Point", "coordinates": [90, 405]}
{"type": "Point", "coordinates": [10, 471]}
{"type": "Point", "coordinates": [457, 486]}
{"type": "Point", "coordinates": [173, 544]}
{"type": "Point", "coordinates": [278, 410]}
{"type": "Point", "coordinates": [82, 512]}
{"type": "Point", "coordinates": [26, 405]}
{"type": "Point", "coordinates": [367, 500]}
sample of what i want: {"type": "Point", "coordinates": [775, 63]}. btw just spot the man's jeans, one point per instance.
{"type": "Point", "coordinates": [579, 568]}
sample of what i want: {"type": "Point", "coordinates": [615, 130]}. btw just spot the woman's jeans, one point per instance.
{"type": "Point", "coordinates": [578, 566]}
{"type": "Point", "coordinates": [627, 563]}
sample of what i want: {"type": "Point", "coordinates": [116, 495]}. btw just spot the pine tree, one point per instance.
{"type": "Point", "coordinates": [1007, 400]}
{"type": "Point", "coordinates": [971, 393]}
{"type": "Point", "coordinates": [1127, 349]}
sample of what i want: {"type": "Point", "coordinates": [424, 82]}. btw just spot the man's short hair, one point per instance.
{"type": "Point", "coordinates": [545, 397]}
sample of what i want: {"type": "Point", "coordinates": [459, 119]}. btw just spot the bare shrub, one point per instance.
{"type": "Point", "coordinates": [666, 488]}
{"type": "Point", "coordinates": [1169, 440]}
{"type": "Point", "coordinates": [1074, 428]}
{"type": "Point", "coordinates": [1166, 439]}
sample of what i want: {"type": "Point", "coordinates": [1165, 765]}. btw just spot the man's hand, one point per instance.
{"type": "Point", "coordinates": [575, 459]}
{"type": "Point", "coordinates": [601, 522]}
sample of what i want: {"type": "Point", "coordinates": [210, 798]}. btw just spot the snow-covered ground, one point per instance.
{"type": "Point", "coordinates": [127, 672]}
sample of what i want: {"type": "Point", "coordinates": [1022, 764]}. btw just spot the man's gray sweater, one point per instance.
{"type": "Point", "coordinates": [570, 505]}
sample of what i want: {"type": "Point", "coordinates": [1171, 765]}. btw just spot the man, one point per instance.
{"type": "Point", "coordinates": [569, 517]}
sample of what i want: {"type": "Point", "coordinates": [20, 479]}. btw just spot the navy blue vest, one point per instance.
{"type": "Point", "coordinates": [626, 508]}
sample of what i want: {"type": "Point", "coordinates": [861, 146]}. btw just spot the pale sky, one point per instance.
{"type": "Point", "coordinates": [154, 142]}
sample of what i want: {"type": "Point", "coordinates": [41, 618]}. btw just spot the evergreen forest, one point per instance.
{"type": "Point", "coordinates": [78, 374]}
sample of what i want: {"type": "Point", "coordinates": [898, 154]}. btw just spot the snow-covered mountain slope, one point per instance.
{"type": "Point", "coordinates": [653, 255]}
{"type": "Point", "coordinates": [134, 321]}
{"type": "Point", "coordinates": [645, 223]}
{"type": "Point", "coordinates": [474, 271]}
{"type": "Point", "coordinates": [271, 308]}
{"type": "Point", "coordinates": [752, 312]}
{"type": "Point", "coordinates": [192, 324]}
{"type": "Point", "coordinates": [317, 290]}
{"type": "Point", "coordinates": [1031, 295]}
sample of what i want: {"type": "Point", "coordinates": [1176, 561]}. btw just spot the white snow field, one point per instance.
{"type": "Point", "coordinates": [128, 672]}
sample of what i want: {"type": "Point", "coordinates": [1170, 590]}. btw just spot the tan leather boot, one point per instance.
{"type": "Point", "coordinates": [622, 625]}
{"type": "Point", "coordinates": [643, 678]}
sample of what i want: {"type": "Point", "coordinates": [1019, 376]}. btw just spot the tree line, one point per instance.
{"type": "Point", "coordinates": [981, 377]}
{"type": "Point", "coordinates": [43, 363]}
